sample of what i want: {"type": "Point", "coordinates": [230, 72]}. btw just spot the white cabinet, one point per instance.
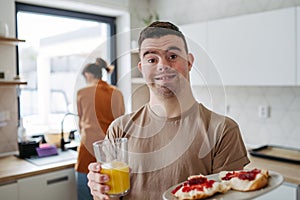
{"type": "Point", "coordinates": [195, 33]}
{"type": "Point", "coordinates": [203, 71]}
{"type": "Point", "coordinates": [9, 191]}
{"type": "Point", "coordinates": [59, 185]}
{"type": "Point", "coordinates": [286, 191]}
{"type": "Point", "coordinates": [255, 49]}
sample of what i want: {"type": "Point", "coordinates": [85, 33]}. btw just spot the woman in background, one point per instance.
{"type": "Point", "coordinates": [98, 105]}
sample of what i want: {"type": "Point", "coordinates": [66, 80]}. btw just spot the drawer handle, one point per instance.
{"type": "Point", "coordinates": [57, 180]}
{"type": "Point", "coordinates": [8, 183]}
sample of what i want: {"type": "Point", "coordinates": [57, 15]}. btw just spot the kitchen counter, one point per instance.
{"type": "Point", "coordinates": [13, 168]}
{"type": "Point", "coordinates": [290, 171]}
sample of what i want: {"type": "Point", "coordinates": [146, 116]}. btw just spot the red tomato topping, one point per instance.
{"type": "Point", "coordinates": [177, 188]}
{"type": "Point", "coordinates": [243, 175]}
{"type": "Point", "coordinates": [197, 183]}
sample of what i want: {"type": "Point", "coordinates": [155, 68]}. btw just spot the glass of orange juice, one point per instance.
{"type": "Point", "coordinates": [113, 156]}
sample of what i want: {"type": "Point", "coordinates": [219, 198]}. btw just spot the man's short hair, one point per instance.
{"type": "Point", "coordinates": [158, 29]}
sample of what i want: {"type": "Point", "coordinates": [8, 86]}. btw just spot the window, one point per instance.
{"type": "Point", "coordinates": [58, 45]}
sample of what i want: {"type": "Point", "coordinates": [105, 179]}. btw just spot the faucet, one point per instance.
{"type": "Point", "coordinates": [62, 140]}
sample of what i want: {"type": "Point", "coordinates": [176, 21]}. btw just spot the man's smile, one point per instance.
{"type": "Point", "coordinates": [165, 77]}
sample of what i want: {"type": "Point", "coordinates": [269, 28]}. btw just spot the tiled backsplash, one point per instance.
{"type": "Point", "coordinates": [282, 127]}
{"type": "Point", "coordinates": [8, 133]}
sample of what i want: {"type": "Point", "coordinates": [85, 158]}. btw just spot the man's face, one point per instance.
{"type": "Point", "coordinates": [165, 64]}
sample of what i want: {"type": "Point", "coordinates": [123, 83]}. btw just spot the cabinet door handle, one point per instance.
{"type": "Point", "coordinates": [57, 180]}
{"type": "Point", "coordinates": [8, 183]}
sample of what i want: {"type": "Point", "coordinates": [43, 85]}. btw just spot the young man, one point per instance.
{"type": "Point", "coordinates": [172, 136]}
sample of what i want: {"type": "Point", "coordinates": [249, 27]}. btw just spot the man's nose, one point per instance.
{"type": "Point", "coordinates": [163, 64]}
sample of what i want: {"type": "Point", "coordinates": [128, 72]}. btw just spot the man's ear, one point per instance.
{"type": "Point", "coordinates": [190, 61]}
{"type": "Point", "coordinates": [140, 66]}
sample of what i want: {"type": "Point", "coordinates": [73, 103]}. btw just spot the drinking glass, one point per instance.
{"type": "Point", "coordinates": [113, 156]}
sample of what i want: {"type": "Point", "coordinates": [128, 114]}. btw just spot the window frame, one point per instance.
{"type": "Point", "coordinates": [111, 21]}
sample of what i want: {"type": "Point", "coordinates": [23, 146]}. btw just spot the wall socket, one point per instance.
{"type": "Point", "coordinates": [264, 111]}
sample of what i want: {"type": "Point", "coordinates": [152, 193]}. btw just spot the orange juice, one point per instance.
{"type": "Point", "coordinates": [119, 181]}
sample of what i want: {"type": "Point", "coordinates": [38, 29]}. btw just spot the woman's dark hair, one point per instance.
{"type": "Point", "coordinates": [158, 29]}
{"type": "Point", "coordinates": [96, 68]}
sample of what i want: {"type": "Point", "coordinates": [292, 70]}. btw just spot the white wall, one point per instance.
{"type": "Point", "coordinates": [139, 9]}
{"type": "Point", "coordinates": [185, 12]}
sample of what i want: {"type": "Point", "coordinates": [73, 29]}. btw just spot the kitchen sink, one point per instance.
{"type": "Point", "coordinates": [61, 157]}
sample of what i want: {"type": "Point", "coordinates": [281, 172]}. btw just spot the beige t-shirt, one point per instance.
{"type": "Point", "coordinates": [165, 151]}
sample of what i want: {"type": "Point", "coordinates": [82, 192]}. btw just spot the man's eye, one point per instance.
{"type": "Point", "coordinates": [172, 57]}
{"type": "Point", "coordinates": [151, 60]}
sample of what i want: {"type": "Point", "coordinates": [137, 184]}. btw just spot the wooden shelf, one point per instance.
{"type": "Point", "coordinates": [10, 41]}
{"type": "Point", "coordinates": [12, 82]}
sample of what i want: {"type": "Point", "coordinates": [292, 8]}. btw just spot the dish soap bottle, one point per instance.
{"type": "Point", "coordinates": [21, 131]}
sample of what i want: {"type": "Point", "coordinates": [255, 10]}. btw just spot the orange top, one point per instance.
{"type": "Point", "coordinates": [97, 105]}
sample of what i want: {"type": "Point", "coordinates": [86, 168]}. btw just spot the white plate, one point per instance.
{"type": "Point", "coordinates": [275, 180]}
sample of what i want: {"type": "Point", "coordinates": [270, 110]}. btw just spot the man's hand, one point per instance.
{"type": "Point", "coordinates": [96, 182]}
